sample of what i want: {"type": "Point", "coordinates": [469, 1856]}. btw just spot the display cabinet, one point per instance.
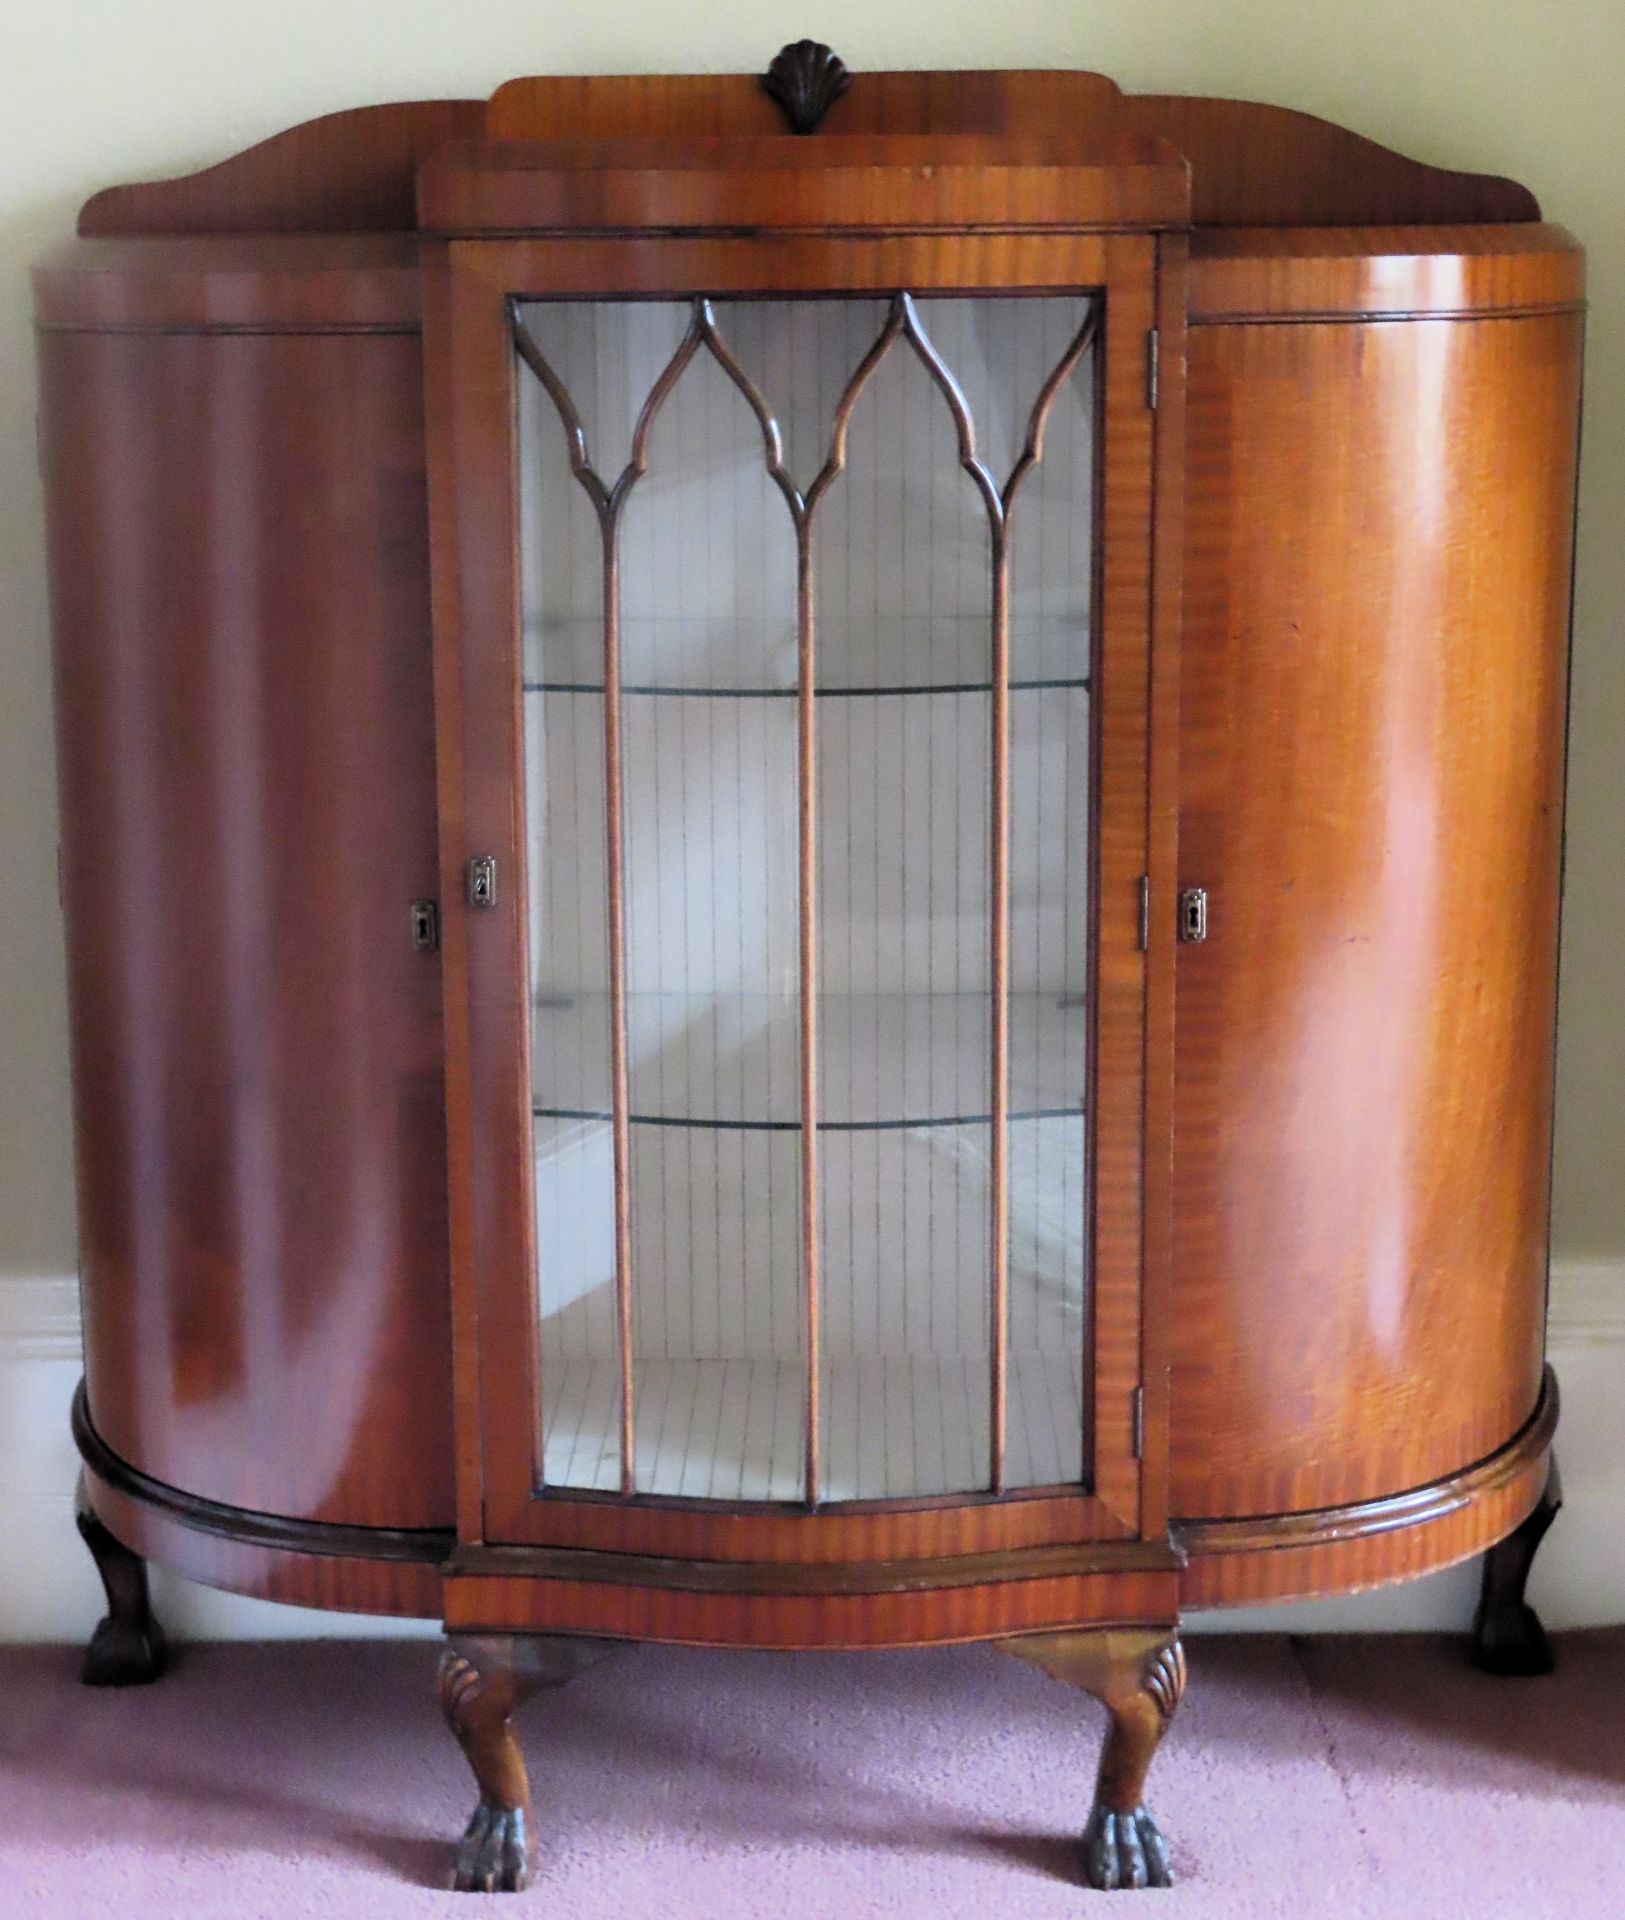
{"type": "Point", "coordinates": [810, 842]}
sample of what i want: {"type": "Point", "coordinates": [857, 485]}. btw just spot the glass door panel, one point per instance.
{"type": "Point", "coordinates": [708, 589]}
{"type": "Point", "coordinates": [903, 579]}
{"type": "Point", "coordinates": [807, 595]}
{"type": "Point", "coordinates": [1052, 614]}
{"type": "Point", "coordinates": [566, 840]}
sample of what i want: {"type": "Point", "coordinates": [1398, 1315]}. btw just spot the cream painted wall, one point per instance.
{"type": "Point", "coordinates": [108, 90]}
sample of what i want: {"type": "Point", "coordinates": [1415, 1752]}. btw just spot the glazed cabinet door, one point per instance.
{"type": "Point", "coordinates": [796, 650]}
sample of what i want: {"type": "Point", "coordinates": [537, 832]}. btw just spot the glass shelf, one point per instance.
{"type": "Point", "coordinates": [877, 655]}
{"type": "Point", "coordinates": [1076, 684]}
{"type": "Point", "coordinates": [886, 1060]}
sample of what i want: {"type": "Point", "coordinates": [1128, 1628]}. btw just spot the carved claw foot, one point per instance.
{"type": "Point", "coordinates": [1139, 1674]}
{"type": "Point", "coordinates": [483, 1678]}
{"type": "Point", "coordinates": [493, 1855]}
{"type": "Point", "coordinates": [1124, 1850]}
{"type": "Point", "coordinates": [1508, 1638]}
{"type": "Point", "coordinates": [127, 1648]}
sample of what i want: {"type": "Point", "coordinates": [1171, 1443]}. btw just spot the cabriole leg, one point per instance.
{"type": "Point", "coordinates": [483, 1678]}
{"type": "Point", "coordinates": [1139, 1674]}
{"type": "Point", "coordinates": [1507, 1635]}
{"type": "Point", "coordinates": [127, 1649]}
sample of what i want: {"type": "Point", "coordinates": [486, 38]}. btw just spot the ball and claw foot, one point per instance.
{"type": "Point", "coordinates": [483, 1678]}
{"type": "Point", "coordinates": [1138, 1673]}
{"type": "Point", "coordinates": [493, 1855]}
{"type": "Point", "coordinates": [1124, 1850]}
{"type": "Point", "coordinates": [1508, 1639]}
{"type": "Point", "coordinates": [127, 1648]}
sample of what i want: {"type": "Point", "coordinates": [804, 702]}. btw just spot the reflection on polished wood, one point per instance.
{"type": "Point", "coordinates": [1343, 1549]}
{"type": "Point", "coordinates": [245, 752]}
{"type": "Point", "coordinates": [1383, 272]}
{"type": "Point", "coordinates": [314, 1563]}
{"type": "Point", "coordinates": [1371, 775]}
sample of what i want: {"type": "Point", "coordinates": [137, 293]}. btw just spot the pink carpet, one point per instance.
{"type": "Point", "coordinates": [1303, 1778]}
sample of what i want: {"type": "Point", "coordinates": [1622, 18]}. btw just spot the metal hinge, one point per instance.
{"type": "Point", "coordinates": [1153, 366]}
{"type": "Point", "coordinates": [1138, 1417]}
{"type": "Point", "coordinates": [482, 880]}
{"type": "Point", "coordinates": [1193, 915]}
{"type": "Point", "coordinates": [425, 926]}
{"type": "Point", "coordinates": [1144, 936]}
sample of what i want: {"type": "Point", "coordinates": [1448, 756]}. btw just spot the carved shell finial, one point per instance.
{"type": "Point", "coordinates": [805, 80]}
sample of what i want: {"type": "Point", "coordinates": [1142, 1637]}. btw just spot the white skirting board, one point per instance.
{"type": "Point", "coordinates": [49, 1591]}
